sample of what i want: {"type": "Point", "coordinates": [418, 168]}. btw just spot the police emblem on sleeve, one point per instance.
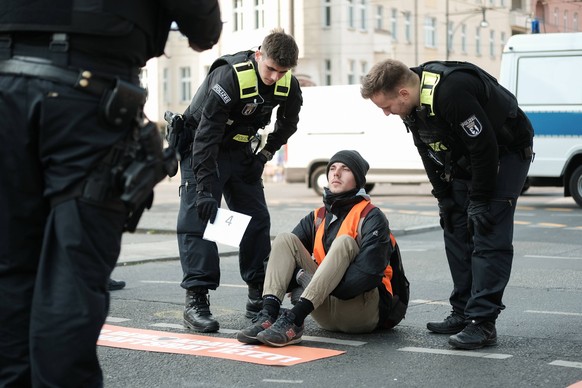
{"type": "Point", "coordinates": [249, 109]}
{"type": "Point", "coordinates": [221, 93]}
{"type": "Point", "coordinates": [472, 126]}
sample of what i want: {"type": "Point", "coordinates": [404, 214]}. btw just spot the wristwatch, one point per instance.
{"type": "Point", "coordinates": [267, 154]}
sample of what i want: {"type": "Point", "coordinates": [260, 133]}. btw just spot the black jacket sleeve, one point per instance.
{"type": "Point", "coordinates": [460, 102]}
{"type": "Point", "coordinates": [287, 118]}
{"type": "Point", "coordinates": [305, 231]}
{"type": "Point", "coordinates": [198, 20]}
{"type": "Point", "coordinates": [221, 88]}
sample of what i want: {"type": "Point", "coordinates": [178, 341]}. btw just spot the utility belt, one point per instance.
{"type": "Point", "coordinates": [56, 49]}
{"type": "Point", "coordinates": [130, 169]}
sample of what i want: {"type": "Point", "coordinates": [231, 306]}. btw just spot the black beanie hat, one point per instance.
{"type": "Point", "coordinates": [355, 162]}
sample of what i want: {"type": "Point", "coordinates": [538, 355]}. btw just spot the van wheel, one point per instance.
{"type": "Point", "coordinates": [318, 179]}
{"type": "Point", "coordinates": [576, 185]}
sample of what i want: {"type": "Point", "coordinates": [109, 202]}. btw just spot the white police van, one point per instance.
{"type": "Point", "coordinates": [333, 118]}
{"type": "Point", "coordinates": [544, 71]}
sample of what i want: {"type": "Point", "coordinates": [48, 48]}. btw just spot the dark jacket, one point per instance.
{"type": "Point", "coordinates": [366, 271]}
{"type": "Point", "coordinates": [473, 119]}
{"type": "Point", "coordinates": [218, 101]}
{"type": "Point", "coordinates": [121, 33]}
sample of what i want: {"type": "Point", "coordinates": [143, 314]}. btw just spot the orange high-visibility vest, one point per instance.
{"type": "Point", "coordinates": [351, 226]}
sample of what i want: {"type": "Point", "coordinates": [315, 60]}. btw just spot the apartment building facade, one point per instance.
{"type": "Point", "coordinates": [339, 40]}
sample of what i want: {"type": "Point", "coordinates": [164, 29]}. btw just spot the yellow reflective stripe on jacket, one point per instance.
{"type": "Point", "coordinates": [247, 79]}
{"type": "Point", "coordinates": [283, 86]}
{"type": "Point", "coordinates": [428, 85]}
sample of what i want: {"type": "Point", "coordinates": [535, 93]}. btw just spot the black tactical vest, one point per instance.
{"type": "Point", "coordinates": [100, 18]}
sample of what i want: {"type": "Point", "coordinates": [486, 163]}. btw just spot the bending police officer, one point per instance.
{"type": "Point", "coordinates": [235, 100]}
{"type": "Point", "coordinates": [78, 163]}
{"type": "Point", "coordinates": [476, 146]}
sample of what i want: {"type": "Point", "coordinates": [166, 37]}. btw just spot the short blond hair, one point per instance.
{"type": "Point", "coordinates": [386, 77]}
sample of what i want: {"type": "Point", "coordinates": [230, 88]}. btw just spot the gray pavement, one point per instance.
{"type": "Point", "coordinates": [155, 237]}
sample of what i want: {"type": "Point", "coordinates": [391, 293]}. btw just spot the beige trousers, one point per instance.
{"type": "Point", "coordinates": [357, 315]}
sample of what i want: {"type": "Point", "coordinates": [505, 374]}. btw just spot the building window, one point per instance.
{"type": "Point", "coordinates": [327, 13]}
{"type": "Point", "coordinates": [478, 41]}
{"type": "Point", "coordinates": [407, 27]}
{"type": "Point", "coordinates": [492, 46]}
{"type": "Point", "coordinates": [259, 14]}
{"type": "Point", "coordinates": [351, 72]}
{"type": "Point", "coordinates": [565, 21]}
{"type": "Point", "coordinates": [575, 22]}
{"type": "Point", "coordinates": [394, 24]}
{"type": "Point", "coordinates": [379, 18]}
{"type": "Point", "coordinates": [185, 85]}
{"type": "Point", "coordinates": [237, 8]}
{"type": "Point", "coordinates": [450, 37]}
{"type": "Point", "coordinates": [502, 3]}
{"type": "Point", "coordinates": [327, 72]}
{"type": "Point", "coordinates": [502, 39]}
{"type": "Point", "coordinates": [556, 22]}
{"type": "Point", "coordinates": [363, 69]}
{"type": "Point", "coordinates": [363, 17]}
{"type": "Point", "coordinates": [351, 14]}
{"type": "Point", "coordinates": [430, 32]}
{"type": "Point", "coordinates": [464, 38]}
{"type": "Point", "coordinates": [166, 85]}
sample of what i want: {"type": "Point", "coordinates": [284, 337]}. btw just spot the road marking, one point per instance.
{"type": "Point", "coordinates": [552, 257]}
{"type": "Point", "coordinates": [554, 313]}
{"type": "Point", "coordinates": [569, 364]}
{"type": "Point", "coordinates": [283, 381]}
{"type": "Point", "coordinates": [465, 353]}
{"type": "Point", "coordinates": [159, 282]}
{"type": "Point", "coordinates": [548, 225]}
{"type": "Point", "coordinates": [424, 301]}
{"type": "Point", "coordinates": [326, 340]}
{"type": "Point", "coordinates": [117, 320]}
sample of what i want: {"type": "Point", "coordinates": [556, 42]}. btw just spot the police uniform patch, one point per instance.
{"type": "Point", "coordinates": [249, 109]}
{"type": "Point", "coordinates": [221, 93]}
{"type": "Point", "coordinates": [472, 126]}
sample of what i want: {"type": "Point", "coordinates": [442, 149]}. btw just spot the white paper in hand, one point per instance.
{"type": "Point", "coordinates": [228, 227]}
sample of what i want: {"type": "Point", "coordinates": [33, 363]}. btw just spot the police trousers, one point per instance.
{"type": "Point", "coordinates": [55, 259]}
{"type": "Point", "coordinates": [359, 314]}
{"type": "Point", "coordinates": [480, 265]}
{"type": "Point", "coordinates": [199, 257]}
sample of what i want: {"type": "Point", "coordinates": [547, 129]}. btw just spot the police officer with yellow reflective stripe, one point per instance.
{"type": "Point", "coordinates": [218, 159]}
{"type": "Point", "coordinates": [476, 146]}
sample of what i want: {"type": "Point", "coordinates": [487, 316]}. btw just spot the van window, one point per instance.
{"type": "Point", "coordinates": [550, 75]}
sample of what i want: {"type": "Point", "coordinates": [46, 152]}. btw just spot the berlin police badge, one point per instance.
{"type": "Point", "coordinates": [472, 126]}
{"type": "Point", "coordinates": [249, 108]}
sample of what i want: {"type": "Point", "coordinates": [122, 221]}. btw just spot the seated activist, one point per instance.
{"type": "Point", "coordinates": [334, 275]}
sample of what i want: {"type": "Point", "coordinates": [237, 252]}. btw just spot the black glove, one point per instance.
{"type": "Point", "coordinates": [206, 206]}
{"type": "Point", "coordinates": [255, 168]}
{"type": "Point", "coordinates": [446, 207]}
{"type": "Point", "coordinates": [479, 217]}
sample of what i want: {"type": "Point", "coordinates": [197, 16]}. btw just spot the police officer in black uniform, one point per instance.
{"type": "Point", "coordinates": [235, 100]}
{"type": "Point", "coordinates": [476, 146]}
{"type": "Point", "coordinates": [78, 162]}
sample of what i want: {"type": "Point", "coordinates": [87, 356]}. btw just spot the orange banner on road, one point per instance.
{"type": "Point", "coordinates": [197, 345]}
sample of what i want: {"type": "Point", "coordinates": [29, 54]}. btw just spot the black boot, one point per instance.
{"type": "Point", "coordinates": [475, 336]}
{"type": "Point", "coordinates": [452, 324]}
{"type": "Point", "coordinates": [255, 301]}
{"type": "Point", "coordinates": [197, 315]}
